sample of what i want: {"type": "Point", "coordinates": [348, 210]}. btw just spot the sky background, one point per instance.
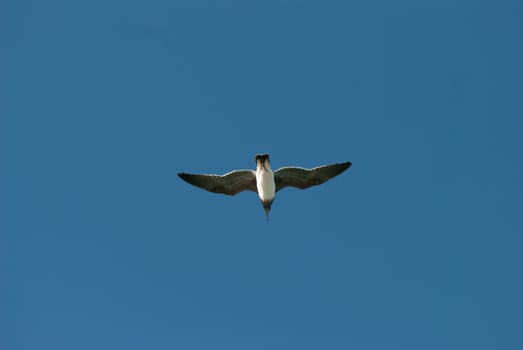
{"type": "Point", "coordinates": [418, 246]}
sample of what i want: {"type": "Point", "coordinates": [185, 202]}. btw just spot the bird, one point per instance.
{"type": "Point", "coordinates": [264, 181]}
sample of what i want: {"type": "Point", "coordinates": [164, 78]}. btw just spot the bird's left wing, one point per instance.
{"type": "Point", "coordinates": [231, 183]}
{"type": "Point", "coordinates": [303, 178]}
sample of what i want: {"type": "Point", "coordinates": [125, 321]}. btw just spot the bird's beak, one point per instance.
{"type": "Point", "coordinates": [267, 210]}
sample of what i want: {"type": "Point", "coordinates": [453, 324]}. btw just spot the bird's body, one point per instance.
{"type": "Point", "coordinates": [265, 183]}
{"type": "Point", "coordinates": [264, 180]}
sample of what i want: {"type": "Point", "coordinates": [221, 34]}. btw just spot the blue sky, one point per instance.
{"type": "Point", "coordinates": [418, 246]}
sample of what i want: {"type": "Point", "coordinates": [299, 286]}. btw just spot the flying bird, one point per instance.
{"type": "Point", "coordinates": [264, 180]}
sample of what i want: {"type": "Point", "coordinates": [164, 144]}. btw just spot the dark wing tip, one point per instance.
{"type": "Point", "coordinates": [184, 176]}
{"type": "Point", "coordinates": [343, 166]}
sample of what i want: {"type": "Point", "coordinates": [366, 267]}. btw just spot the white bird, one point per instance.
{"type": "Point", "coordinates": [264, 181]}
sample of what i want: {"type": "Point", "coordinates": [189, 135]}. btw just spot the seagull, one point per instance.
{"type": "Point", "coordinates": [264, 180]}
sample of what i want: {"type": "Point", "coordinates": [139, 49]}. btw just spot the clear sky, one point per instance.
{"type": "Point", "coordinates": [418, 246]}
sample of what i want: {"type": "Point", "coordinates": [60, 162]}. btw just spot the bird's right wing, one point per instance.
{"type": "Point", "coordinates": [231, 183]}
{"type": "Point", "coordinates": [303, 178]}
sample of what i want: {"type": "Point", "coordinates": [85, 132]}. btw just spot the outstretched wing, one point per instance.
{"type": "Point", "coordinates": [303, 178]}
{"type": "Point", "coordinates": [231, 183]}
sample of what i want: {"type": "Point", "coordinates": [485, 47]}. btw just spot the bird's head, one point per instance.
{"type": "Point", "coordinates": [262, 160]}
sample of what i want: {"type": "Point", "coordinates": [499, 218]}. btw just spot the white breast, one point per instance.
{"type": "Point", "coordinates": [265, 183]}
